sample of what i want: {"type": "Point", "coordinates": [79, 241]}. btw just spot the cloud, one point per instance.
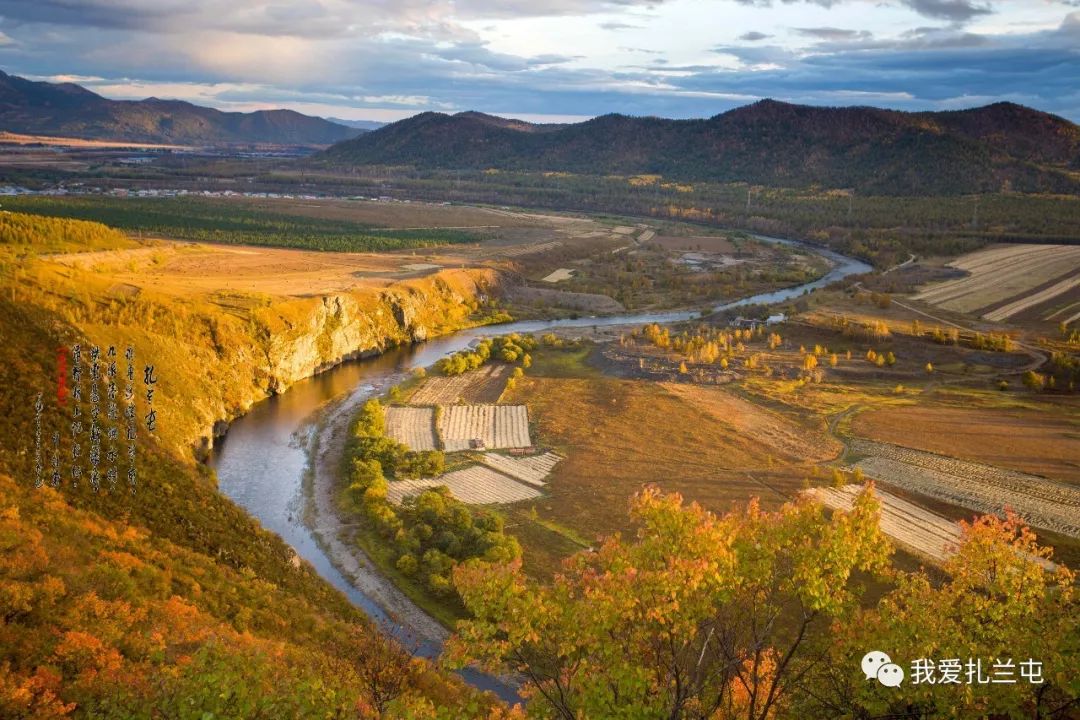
{"type": "Point", "coordinates": [349, 57]}
{"type": "Point", "coordinates": [619, 26]}
{"type": "Point", "coordinates": [952, 10]}
{"type": "Point", "coordinates": [831, 33]}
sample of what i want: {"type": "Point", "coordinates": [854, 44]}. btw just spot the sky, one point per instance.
{"type": "Point", "coordinates": [553, 60]}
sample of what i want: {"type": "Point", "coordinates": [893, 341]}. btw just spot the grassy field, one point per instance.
{"type": "Point", "coordinates": [620, 435]}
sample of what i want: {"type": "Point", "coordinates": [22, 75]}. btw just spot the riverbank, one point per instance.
{"type": "Point", "coordinates": [336, 537]}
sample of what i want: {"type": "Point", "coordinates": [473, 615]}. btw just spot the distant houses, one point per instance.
{"type": "Point", "coordinates": [753, 323]}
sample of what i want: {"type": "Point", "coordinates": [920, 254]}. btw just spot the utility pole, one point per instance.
{"type": "Point", "coordinates": [975, 215]}
{"type": "Point", "coordinates": [748, 189]}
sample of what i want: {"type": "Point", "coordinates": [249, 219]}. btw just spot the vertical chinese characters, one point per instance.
{"type": "Point", "coordinates": [112, 414]}
{"type": "Point", "coordinates": [95, 413]}
{"type": "Point", "coordinates": [129, 415]}
{"type": "Point", "coordinates": [76, 415]}
{"type": "Point", "coordinates": [39, 463]}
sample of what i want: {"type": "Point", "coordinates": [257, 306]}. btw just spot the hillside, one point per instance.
{"type": "Point", "coordinates": [986, 149]}
{"type": "Point", "coordinates": [69, 110]}
{"type": "Point", "coordinates": [170, 601]}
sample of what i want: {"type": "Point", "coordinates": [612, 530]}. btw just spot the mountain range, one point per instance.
{"type": "Point", "coordinates": [987, 149]}
{"type": "Point", "coordinates": [70, 110]}
{"type": "Point", "coordinates": [1003, 146]}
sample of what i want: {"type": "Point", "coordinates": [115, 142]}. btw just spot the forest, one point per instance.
{"type": "Point", "coordinates": [209, 220]}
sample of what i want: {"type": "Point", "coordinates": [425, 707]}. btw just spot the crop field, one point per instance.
{"type": "Point", "coordinates": [482, 385]}
{"type": "Point", "coordinates": [983, 488]}
{"type": "Point", "coordinates": [1040, 441]}
{"type": "Point", "coordinates": [1009, 280]}
{"type": "Point", "coordinates": [476, 485]}
{"type": "Point", "coordinates": [533, 469]}
{"type": "Point", "coordinates": [530, 249]}
{"type": "Point", "coordinates": [701, 243]}
{"type": "Point", "coordinates": [412, 426]}
{"type": "Point", "coordinates": [910, 526]}
{"type": "Point", "coordinates": [498, 426]}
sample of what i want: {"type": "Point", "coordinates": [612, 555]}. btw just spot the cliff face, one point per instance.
{"type": "Point", "coordinates": [293, 339]}
{"type": "Point", "coordinates": [307, 336]}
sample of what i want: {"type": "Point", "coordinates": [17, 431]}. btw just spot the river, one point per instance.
{"type": "Point", "coordinates": [262, 461]}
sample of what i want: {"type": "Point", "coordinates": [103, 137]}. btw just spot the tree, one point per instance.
{"type": "Point", "coordinates": [1001, 600]}
{"type": "Point", "coordinates": [1034, 381]}
{"type": "Point", "coordinates": [929, 368]}
{"type": "Point", "coordinates": [698, 616]}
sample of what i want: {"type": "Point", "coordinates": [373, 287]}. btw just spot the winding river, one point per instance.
{"type": "Point", "coordinates": [262, 461]}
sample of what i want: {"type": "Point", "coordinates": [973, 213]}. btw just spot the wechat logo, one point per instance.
{"type": "Point", "coordinates": [876, 664]}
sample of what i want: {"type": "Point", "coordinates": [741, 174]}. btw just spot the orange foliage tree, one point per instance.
{"type": "Point", "coordinates": [699, 616]}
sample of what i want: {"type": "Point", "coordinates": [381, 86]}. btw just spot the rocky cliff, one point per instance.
{"type": "Point", "coordinates": [292, 339]}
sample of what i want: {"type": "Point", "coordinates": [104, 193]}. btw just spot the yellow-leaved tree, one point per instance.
{"type": "Point", "coordinates": [699, 616]}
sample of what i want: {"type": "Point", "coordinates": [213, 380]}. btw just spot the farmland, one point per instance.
{"type": "Point", "coordinates": [412, 426]}
{"type": "Point", "coordinates": [482, 385]}
{"type": "Point", "coordinates": [531, 469]}
{"type": "Point", "coordinates": [1038, 441]}
{"type": "Point", "coordinates": [916, 529]}
{"type": "Point", "coordinates": [1007, 281]}
{"type": "Point", "coordinates": [475, 485]}
{"type": "Point", "coordinates": [983, 488]}
{"type": "Point", "coordinates": [497, 426]}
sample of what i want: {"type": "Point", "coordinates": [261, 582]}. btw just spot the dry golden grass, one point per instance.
{"type": "Point", "coordinates": [783, 437]}
{"type": "Point", "coordinates": [185, 269]}
{"type": "Point", "coordinates": [621, 435]}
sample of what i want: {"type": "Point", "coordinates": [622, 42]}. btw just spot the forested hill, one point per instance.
{"type": "Point", "coordinates": [70, 110]}
{"type": "Point", "coordinates": [998, 147]}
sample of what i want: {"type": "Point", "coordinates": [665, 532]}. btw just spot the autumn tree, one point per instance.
{"type": "Point", "coordinates": [1002, 601]}
{"type": "Point", "coordinates": [698, 616]}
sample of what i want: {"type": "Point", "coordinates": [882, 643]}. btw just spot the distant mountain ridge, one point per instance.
{"type": "Point", "coordinates": [70, 110]}
{"type": "Point", "coordinates": [986, 149]}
